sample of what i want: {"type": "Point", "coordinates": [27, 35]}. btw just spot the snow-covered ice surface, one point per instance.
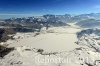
{"type": "Point", "coordinates": [54, 47]}
{"type": "Point", "coordinates": [55, 39]}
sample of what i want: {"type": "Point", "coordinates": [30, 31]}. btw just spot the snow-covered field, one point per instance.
{"type": "Point", "coordinates": [54, 39]}
{"type": "Point", "coordinates": [53, 47]}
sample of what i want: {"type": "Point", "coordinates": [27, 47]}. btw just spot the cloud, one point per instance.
{"type": "Point", "coordinates": [97, 6]}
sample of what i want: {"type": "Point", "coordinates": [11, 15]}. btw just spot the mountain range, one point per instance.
{"type": "Point", "coordinates": [83, 20]}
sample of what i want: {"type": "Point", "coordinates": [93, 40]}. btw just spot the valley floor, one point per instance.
{"type": "Point", "coordinates": [55, 39]}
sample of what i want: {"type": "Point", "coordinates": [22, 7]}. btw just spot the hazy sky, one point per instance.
{"type": "Point", "coordinates": [39, 7]}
